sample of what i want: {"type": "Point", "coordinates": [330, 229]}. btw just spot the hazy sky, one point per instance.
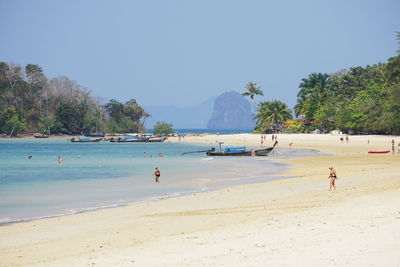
{"type": "Point", "coordinates": [183, 52]}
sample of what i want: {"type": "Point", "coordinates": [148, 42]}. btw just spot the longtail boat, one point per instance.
{"type": "Point", "coordinates": [138, 139]}
{"type": "Point", "coordinates": [85, 140]}
{"type": "Point", "coordinates": [240, 151]}
{"type": "Point", "coordinates": [41, 135]}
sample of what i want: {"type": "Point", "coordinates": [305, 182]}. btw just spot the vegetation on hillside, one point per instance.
{"type": "Point", "coordinates": [30, 102]}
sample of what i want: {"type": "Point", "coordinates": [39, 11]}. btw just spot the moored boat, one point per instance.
{"type": "Point", "coordinates": [38, 135]}
{"type": "Point", "coordinates": [240, 151]}
{"type": "Point", "coordinates": [85, 140]}
{"type": "Point", "coordinates": [125, 139]}
{"type": "Point", "coordinates": [156, 139]}
{"type": "Point", "coordinates": [138, 139]}
{"type": "Point", "coordinates": [379, 152]}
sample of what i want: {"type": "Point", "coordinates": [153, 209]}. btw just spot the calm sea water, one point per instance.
{"type": "Point", "coordinates": [102, 175]}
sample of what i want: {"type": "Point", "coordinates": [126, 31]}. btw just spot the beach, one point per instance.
{"type": "Point", "coordinates": [289, 222]}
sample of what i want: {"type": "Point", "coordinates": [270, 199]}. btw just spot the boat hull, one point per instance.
{"type": "Point", "coordinates": [138, 140]}
{"type": "Point", "coordinates": [73, 140]}
{"type": "Point", "coordinates": [260, 152]}
{"type": "Point", "coordinates": [41, 136]}
{"type": "Point", "coordinates": [379, 152]}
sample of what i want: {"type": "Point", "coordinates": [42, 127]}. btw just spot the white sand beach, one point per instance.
{"type": "Point", "coordinates": [291, 222]}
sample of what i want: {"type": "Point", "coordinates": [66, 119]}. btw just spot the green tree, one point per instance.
{"type": "Point", "coordinates": [91, 123]}
{"type": "Point", "coordinates": [163, 128]}
{"type": "Point", "coordinates": [313, 91]}
{"type": "Point", "coordinates": [46, 122]}
{"type": "Point", "coordinates": [125, 117]}
{"type": "Point", "coordinates": [12, 123]}
{"type": "Point", "coordinates": [271, 115]}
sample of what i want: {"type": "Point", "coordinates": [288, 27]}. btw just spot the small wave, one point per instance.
{"type": "Point", "coordinates": [206, 159]}
{"type": "Point", "coordinates": [66, 213]}
{"type": "Point", "coordinates": [4, 219]}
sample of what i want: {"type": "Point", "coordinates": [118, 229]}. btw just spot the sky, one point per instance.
{"type": "Point", "coordinates": [181, 53]}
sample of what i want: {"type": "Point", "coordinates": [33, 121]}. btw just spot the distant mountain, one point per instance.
{"type": "Point", "coordinates": [231, 111]}
{"type": "Point", "coordinates": [195, 117]}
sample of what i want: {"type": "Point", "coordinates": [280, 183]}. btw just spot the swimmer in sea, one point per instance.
{"type": "Point", "coordinates": [157, 174]}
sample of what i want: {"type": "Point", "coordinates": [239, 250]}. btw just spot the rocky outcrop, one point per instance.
{"type": "Point", "coordinates": [231, 111]}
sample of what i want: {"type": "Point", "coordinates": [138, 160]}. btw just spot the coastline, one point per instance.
{"type": "Point", "coordinates": [283, 222]}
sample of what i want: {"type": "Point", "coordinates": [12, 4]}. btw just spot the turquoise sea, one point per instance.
{"type": "Point", "coordinates": [104, 175]}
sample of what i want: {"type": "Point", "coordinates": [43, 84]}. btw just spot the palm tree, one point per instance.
{"type": "Point", "coordinates": [271, 114]}
{"type": "Point", "coordinates": [252, 90]}
{"type": "Point", "coordinates": [313, 90]}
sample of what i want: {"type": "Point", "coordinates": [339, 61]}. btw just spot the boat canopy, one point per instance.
{"type": "Point", "coordinates": [235, 149]}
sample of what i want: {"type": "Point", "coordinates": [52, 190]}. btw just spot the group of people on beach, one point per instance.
{"type": "Point", "coordinates": [264, 137]}
{"type": "Point", "coordinates": [347, 138]}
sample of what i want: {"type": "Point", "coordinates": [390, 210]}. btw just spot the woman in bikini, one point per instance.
{"type": "Point", "coordinates": [332, 178]}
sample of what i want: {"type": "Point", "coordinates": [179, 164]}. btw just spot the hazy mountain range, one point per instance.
{"type": "Point", "coordinates": [195, 117]}
{"type": "Point", "coordinates": [231, 111]}
{"type": "Point", "coordinates": [228, 111]}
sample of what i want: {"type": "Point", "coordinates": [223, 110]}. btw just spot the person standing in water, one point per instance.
{"type": "Point", "coordinates": [157, 174]}
{"type": "Point", "coordinates": [60, 160]}
{"type": "Point", "coordinates": [332, 178]}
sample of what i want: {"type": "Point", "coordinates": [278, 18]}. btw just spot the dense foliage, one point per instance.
{"type": "Point", "coordinates": [270, 115]}
{"type": "Point", "coordinates": [163, 128]}
{"type": "Point", "coordinates": [29, 103]}
{"type": "Point", "coordinates": [359, 100]}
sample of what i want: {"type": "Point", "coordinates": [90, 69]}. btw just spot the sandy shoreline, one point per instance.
{"type": "Point", "coordinates": [294, 222]}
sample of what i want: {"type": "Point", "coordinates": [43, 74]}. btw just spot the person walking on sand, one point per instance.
{"type": "Point", "coordinates": [157, 174]}
{"type": "Point", "coordinates": [332, 178]}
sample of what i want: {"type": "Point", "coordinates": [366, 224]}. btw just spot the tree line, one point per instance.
{"type": "Point", "coordinates": [360, 100]}
{"type": "Point", "coordinates": [30, 103]}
